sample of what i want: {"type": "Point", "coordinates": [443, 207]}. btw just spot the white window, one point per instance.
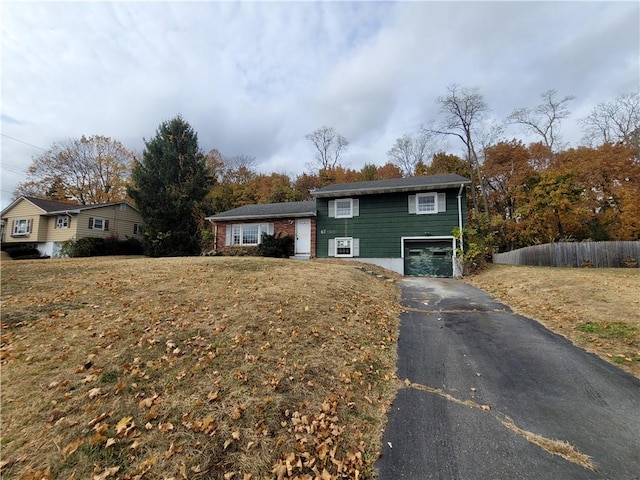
{"type": "Point", "coordinates": [428, 203]}
{"type": "Point", "coordinates": [344, 208]}
{"type": "Point", "coordinates": [249, 234]}
{"type": "Point", "coordinates": [344, 247]}
{"type": "Point", "coordinates": [97, 223]}
{"type": "Point", "coordinates": [62, 221]}
{"type": "Point", "coordinates": [137, 229]}
{"type": "Point", "coordinates": [21, 227]}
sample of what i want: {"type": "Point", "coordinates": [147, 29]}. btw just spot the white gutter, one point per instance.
{"type": "Point", "coordinates": [460, 216]}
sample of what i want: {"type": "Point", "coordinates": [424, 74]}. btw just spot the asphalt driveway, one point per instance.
{"type": "Point", "coordinates": [491, 395]}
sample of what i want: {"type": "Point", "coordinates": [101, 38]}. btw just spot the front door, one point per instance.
{"type": "Point", "coordinates": [303, 236]}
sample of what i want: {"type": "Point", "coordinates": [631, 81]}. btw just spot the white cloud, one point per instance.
{"type": "Point", "coordinates": [255, 77]}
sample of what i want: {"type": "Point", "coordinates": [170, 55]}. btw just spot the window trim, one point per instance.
{"type": "Point", "coordinates": [103, 228]}
{"type": "Point", "coordinates": [350, 214]}
{"type": "Point", "coordinates": [236, 230]}
{"type": "Point", "coordinates": [61, 223]}
{"type": "Point", "coordinates": [16, 223]}
{"type": "Point", "coordinates": [440, 203]}
{"type": "Point", "coordinates": [344, 255]}
{"type": "Point", "coordinates": [138, 229]}
{"type": "Point", "coordinates": [433, 195]}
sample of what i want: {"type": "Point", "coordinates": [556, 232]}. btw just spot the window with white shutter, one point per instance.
{"type": "Point", "coordinates": [344, 208]}
{"type": "Point", "coordinates": [344, 247]}
{"type": "Point", "coordinates": [427, 203]}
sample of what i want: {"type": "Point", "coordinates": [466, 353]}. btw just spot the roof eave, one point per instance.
{"type": "Point", "coordinates": [69, 211]}
{"type": "Point", "coordinates": [372, 191]}
{"type": "Point", "coordinates": [214, 218]}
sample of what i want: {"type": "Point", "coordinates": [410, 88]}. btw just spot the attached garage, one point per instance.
{"type": "Point", "coordinates": [429, 257]}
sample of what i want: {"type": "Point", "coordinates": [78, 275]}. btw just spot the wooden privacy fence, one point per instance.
{"type": "Point", "coordinates": [574, 254]}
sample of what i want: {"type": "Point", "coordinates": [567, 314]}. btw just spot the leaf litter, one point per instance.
{"type": "Point", "coordinates": [207, 367]}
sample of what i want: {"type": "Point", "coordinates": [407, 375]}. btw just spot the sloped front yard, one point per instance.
{"type": "Point", "coordinates": [194, 368]}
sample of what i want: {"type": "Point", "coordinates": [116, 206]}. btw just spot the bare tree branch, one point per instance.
{"type": "Point", "coordinates": [614, 121]}
{"type": "Point", "coordinates": [329, 146]}
{"type": "Point", "coordinates": [544, 120]}
{"type": "Point", "coordinates": [463, 112]}
{"type": "Point", "coordinates": [408, 151]}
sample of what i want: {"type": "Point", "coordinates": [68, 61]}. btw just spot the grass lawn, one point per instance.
{"type": "Point", "coordinates": [597, 309]}
{"type": "Point", "coordinates": [187, 368]}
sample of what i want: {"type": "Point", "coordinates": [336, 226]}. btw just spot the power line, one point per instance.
{"type": "Point", "coordinates": [22, 141]}
{"type": "Point", "coordinates": [12, 168]}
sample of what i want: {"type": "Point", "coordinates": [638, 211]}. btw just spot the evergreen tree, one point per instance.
{"type": "Point", "coordinates": [169, 187]}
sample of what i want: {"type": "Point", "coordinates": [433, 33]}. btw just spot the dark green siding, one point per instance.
{"type": "Point", "coordinates": [383, 220]}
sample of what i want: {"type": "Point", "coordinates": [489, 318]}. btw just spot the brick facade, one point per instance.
{"type": "Point", "coordinates": [282, 226]}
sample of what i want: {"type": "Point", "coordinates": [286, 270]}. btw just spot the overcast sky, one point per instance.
{"type": "Point", "coordinates": [254, 77]}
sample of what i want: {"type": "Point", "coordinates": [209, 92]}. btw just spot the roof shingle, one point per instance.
{"type": "Point", "coordinates": [392, 185]}
{"type": "Point", "coordinates": [269, 210]}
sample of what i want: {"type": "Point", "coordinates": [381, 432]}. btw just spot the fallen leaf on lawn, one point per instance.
{"type": "Point", "coordinates": [212, 396]}
{"type": "Point", "coordinates": [89, 378]}
{"type": "Point", "coordinates": [135, 445]}
{"type": "Point", "coordinates": [124, 424]}
{"type": "Point", "coordinates": [183, 470]}
{"type": "Point", "coordinates": [227, 443]}
{"type": "Point", "coordinates": [72, 447]}
{"type": "Point", "coordinates": [169, 453]}
{"type": "Point", "coordinates": [485, 407]}
{"type": "Point", "coordinates": [229, 475]}
{"type": "Point", "coordinates": [147, 402]}
{"type": "Point", "coordinates": [165, 427]}
{"type": "Point", "coordinates": [107, 473]}
{"type": "Point", "coordinates": [119, 387]}
{"type": "Point", "coordinates": [94, 392]}
{"type": "Point", "coordinates": [110, 441]}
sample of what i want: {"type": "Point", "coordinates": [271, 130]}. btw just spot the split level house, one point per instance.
{"type": "Point", "coordinates": [47, 224]}
{"type": "Point", "coordinates": [405, 224]}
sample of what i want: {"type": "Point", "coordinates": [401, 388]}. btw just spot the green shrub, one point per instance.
{"type": "Point", "coordinates": [23, 252]}
{"type": "Point", "coordinates": [277, 246]}
{"type": "Point", "coordinates": [241, 252]}
{"type": "Point", "coordinates": [96, 246]}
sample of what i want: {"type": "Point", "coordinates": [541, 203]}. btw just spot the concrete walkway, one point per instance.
{"type": "Point", "coordinates": [492, 395]}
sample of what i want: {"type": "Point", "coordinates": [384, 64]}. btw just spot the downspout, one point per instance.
{"type": "Point", "coordinates": [460, 216]}
{"type": "Point", "coordinates": [215, 237]}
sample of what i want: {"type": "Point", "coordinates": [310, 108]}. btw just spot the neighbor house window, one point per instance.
{"type": "Point", "coordinates": [137, 229]}
{"type": "Point", "coordinates": [21, 227]}
{"type": "Point", "coordinates": [247, 234]}
{"type": "Point", "coordinates": [62, 221]}
{"type": "Point", "coordinates": [427, 203]}
{"type": "Point", "coordinates": [97, 223]}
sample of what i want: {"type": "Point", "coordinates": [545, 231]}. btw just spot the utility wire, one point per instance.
{"type": "Point", "coordinates": [22, 141]}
